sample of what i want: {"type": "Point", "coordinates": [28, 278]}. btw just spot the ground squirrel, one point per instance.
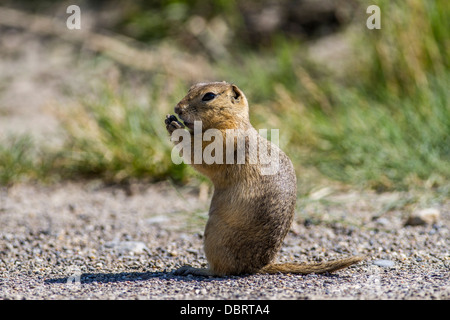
{"type": "Point", "coordinates": [250, 212]}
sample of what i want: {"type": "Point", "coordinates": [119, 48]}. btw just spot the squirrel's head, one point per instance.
{"type": "Point", "coordinates": [219, 105]}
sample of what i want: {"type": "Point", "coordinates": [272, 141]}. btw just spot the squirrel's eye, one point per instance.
{"type": "Point", "coordinates": [208, 96]}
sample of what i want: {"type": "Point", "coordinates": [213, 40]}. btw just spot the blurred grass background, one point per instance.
{"type": "Point", "coordinates": [375, 116]}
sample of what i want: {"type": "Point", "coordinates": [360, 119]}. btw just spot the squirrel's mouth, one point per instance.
{"type": "Point", "coordinates": [188, 124]}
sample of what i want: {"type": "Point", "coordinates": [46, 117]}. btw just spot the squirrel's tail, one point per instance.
{"type": "Point", "coordinates": [305, 268]}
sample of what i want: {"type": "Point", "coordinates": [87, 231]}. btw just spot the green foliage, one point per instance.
{"type": "Point", "coordinates": [157, 20]}
{"type": "Point", "coordinates": [392, 130]}
{"type": "Point", "coordinates": [412, 44]}
{"type": "Point", "coordinates": [387, 126]}
{"type": "Point", "coordinates": [116, 138]}
{"type": "Point", "coordinates": [396, 143]}
{"type": "Point", "coordinates": [16, 159]}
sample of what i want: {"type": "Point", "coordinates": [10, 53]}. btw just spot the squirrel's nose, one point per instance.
{"type": "Point", "coordinates": [177, 110]}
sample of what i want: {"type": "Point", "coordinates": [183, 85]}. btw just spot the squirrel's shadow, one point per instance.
{"type": "Point", "coordinates": [88, 278]}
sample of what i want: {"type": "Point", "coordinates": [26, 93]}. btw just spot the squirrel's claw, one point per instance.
{"type": "Point", "coordinates": [172, 123]}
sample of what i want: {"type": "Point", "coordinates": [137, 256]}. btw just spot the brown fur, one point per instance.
{"type": "Point", "coordinates": [250, 213]}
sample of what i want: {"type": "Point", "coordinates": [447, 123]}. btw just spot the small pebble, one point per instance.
{"type": "Point", "coordinates": [133, 247]}
{"type": "Point", "coordinates": [423, 217]}
{"type": "Point", "coordinates": [384, 263]}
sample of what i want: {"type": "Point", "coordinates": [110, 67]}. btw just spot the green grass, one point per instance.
{"type": "Point", "coordinates": [394, 144]}
{"type": "Point", "coordinates": [19, 160]}
{"type": "Point", "coordinates": [385, 127]}
{"type": "Point", "coordinates": [391, 129]}
{"type": "Point", "coordinates": [114, 137]}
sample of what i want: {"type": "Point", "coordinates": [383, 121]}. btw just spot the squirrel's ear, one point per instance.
{"type": "Point", "coordinates": [236, 94]}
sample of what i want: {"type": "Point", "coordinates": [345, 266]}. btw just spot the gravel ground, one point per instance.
{"type": "Point", "coordinates": [89, 241]}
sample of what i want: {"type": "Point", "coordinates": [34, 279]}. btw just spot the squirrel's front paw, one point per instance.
{"type": "Point", "coordinates": [172, 123]}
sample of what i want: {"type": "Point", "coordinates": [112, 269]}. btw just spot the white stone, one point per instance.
{"type": "Point", "coordinates": [423, 217]}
